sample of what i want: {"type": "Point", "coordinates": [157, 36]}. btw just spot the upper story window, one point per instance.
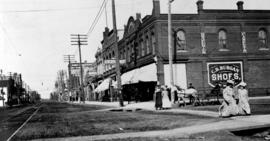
{"type": "Point", "coordinates": [142, 48]}
{"type": "Point", "coordinates": [132, 52]}
{"type": "Point", "coordinates": [147, 45]}
{"type": "Point", "coordinates": [128, 54]}
{"type": "Point", "coordinates": [181, 40]}
{"type": "Point", "coordinates": [262, 38]}
{"type": "Point", "coordinates": [120, 55]}
{"type": "Point", "coordinates": [124, 54]}
{"type": "Point", "coordinates": [113, 55]}
{"type": "Point", "coordinates": [222, 39]}
{"type": "Point", "coordinates": [110, 56]}
{"type": "Point", "coordinates": [153, 43]}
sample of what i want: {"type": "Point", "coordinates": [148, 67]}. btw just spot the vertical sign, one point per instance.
{"type": "Point", "coordinates": [203, 43]}
{"type": "Point", "coordinates": [244, 45]}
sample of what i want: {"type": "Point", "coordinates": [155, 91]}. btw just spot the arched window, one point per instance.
{"type": "Point", "coordinates": [222, 39]}
{"type": "Point", "coordinates": [181, 40]}
{"type": "Point", "coordinates": [262, 36]}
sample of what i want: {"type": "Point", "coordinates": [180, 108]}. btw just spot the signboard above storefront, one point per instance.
{"type": "Point", "coordinates": [112, 61]}
{"type": "Point", "coordinates": [220, 72]}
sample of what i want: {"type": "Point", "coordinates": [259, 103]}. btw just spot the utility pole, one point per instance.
{"type": "Point", "coordinates": [79, 40]}
{"type": "Point", "coordinates": [117, 63]}
{"type": "Point", "coordinates": [170, 42]}
{"type": "Point", "coordinates": [69, 59]}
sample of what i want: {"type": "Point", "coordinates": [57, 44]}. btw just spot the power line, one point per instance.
{"type": "Point", "coordinates": [8, 38]}
{"type": "Point", "coordinates": [46, 10]}
{"type": "Point", "coordinates": [96, 18]}
{"type": "Point", "coordinates": [92, 27]}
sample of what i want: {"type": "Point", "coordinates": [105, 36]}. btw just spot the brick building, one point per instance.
{"type": "Point", "coordinates": [209, 47]}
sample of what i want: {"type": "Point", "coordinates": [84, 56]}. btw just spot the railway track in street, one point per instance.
{"type": "Point", "coordinates": [9, 127]}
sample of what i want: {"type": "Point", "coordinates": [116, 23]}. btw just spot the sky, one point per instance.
{"type": "Point", "coordinates": [35, 34]}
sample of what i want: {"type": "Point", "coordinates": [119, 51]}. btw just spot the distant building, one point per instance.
{"type": "Point", "coordinates": [12, 89]}
{"type": "Point", "coordinates": [209, 47]}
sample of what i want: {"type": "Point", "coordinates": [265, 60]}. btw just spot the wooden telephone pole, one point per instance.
{"type": "Point", "coordinates": [79, 40]}
{"type": "Point", "coordinates": [117, 62]}
{"type": "Point", "coordinates": [69, 59]}
{"type": "Point", "coordinates": [170, 42]}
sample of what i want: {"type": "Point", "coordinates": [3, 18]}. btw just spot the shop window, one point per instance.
{"type": "Point", "coordinates": [222, 40]}
{"type": "Point", "coordinates": [262, 38]}
{"type": "Point", "coordinates": [180, 40]}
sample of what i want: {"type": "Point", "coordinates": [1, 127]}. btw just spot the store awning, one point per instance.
{"type": "Point", "coordinates": [148, 73]}
{"type": "Point", "coordinates": [145, 74]}
{"type": "Point", "coordinates": [127, 78]}
{"type": "Point", "coordinates": [104, 85]}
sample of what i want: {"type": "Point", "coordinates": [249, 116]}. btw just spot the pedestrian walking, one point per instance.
{"type": "Point", "coordinates": [166, 104]}
{"type": "Point", "coordinates": [244, 107]}
{"type": "Point", "coordinates": [158, 98]}
{"type": "Point", "coordinates": [228, 107]}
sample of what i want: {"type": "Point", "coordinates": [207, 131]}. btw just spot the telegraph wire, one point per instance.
{"type": "Point", "coordinates": [8, 38]}
{"type": "Point", "coordinates": [92, 27]}
{"type": "Point", "coordinates": [46, 10]}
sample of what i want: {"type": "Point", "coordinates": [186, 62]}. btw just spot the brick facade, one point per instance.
{"type": "Point", "coordinates": [211, 35]}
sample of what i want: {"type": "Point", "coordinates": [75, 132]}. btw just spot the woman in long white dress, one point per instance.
{"type": "Point", "coordinates": [166, 103]}
{"type": "Point", "coordinates": [229, 106]}
{"type": "Point", "coordinates": [244, 108]}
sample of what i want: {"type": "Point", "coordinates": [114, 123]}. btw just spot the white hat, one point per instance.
{"type": "Point", "coordinates": [243, 84]}
{"type": "Point", "coordinates": [230, 81]}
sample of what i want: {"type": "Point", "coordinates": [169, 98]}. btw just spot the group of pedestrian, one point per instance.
{"type": "Point", "coordinates": [162, 100]}
{"type": "Point", "coordinates": [236, 101]}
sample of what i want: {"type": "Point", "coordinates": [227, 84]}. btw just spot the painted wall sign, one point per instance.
{"type": "Point", "coordinates": [220, 72]}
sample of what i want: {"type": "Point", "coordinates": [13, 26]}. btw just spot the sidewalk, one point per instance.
{"type": "Point", "coordinates": [150, 106]}
{"type": "Point", "coordinates": [234, 123]}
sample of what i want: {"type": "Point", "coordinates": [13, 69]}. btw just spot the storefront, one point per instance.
{"type": "Point", "coordinates": [102, 92]}
{"type": "Point", "coordinates": [179, 75]}
{"type": "Point", "coordinates": [139, 84]}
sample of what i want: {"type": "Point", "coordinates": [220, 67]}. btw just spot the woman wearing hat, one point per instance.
{"type": "Point", "coordinates": [228, 107]}
{"type": "Point", "coordinates": [244, 108]}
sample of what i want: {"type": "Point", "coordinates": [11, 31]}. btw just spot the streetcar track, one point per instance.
{"type": "Point", "coordinates": [28, 119]}
{"type": "Point", "coordinates": [21, 111]}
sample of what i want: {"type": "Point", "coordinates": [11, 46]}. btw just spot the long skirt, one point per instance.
{"type": "Point", "coordinates": [166, 103]}
{"type": "Point", "coordinates": [158, 100]}
{"type": "Point", "coordinates": [228, 109]}
{"type": "Point", "coordinates": [244, 107]}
